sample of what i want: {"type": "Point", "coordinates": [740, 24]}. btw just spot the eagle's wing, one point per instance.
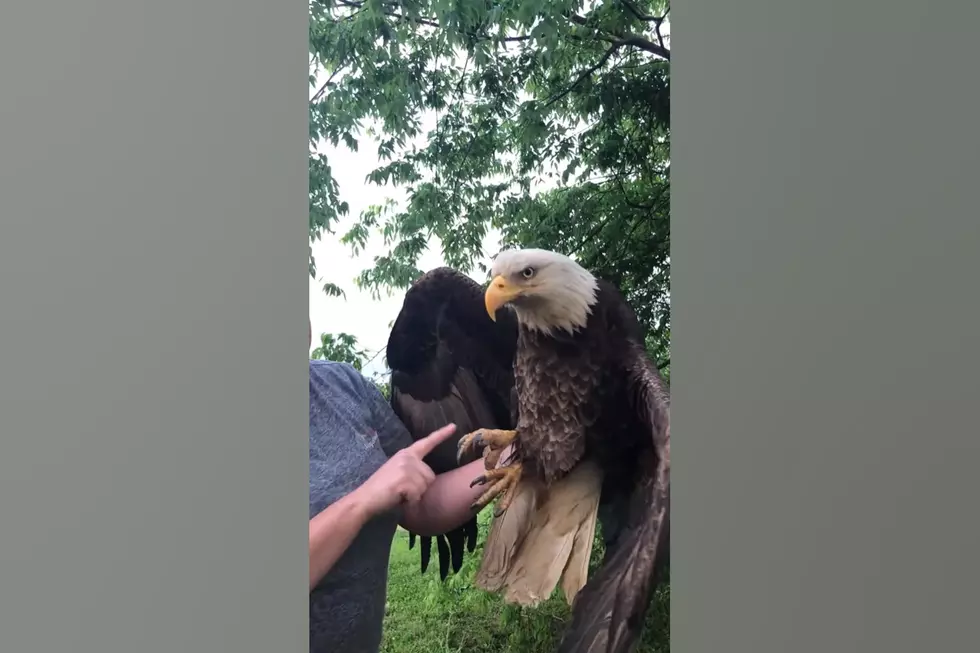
{"type": "Point", "coordinates": [608, 613]}
{"type": "Point", "coordinates": [450, 363]}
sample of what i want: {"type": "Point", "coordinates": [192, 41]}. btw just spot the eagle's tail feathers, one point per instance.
{"type": "Point", "coordinates": [545, 537]}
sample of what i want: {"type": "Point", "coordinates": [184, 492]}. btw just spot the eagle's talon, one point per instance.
{"type": "Point", "coordinates": [491, 441]}
{"type": "Point", "coordinates": [505, 480]}
{"type": "Point", "coordinates": [468, 443]}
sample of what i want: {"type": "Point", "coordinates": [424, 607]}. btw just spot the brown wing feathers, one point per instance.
{"type": "Point", "coordinates": [608, 615]}
{"type": "Point", "coordinates": [450, 363]}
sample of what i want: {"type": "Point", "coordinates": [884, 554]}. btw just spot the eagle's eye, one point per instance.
{"type": "Point", "coordinates": [527, 273]}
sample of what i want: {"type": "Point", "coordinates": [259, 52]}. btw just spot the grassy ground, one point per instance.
{"type": "Point", "coordinates": [425, 615]}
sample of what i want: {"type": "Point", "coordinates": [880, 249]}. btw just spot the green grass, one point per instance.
{"type": "Point", "coordinates": [424, 615]}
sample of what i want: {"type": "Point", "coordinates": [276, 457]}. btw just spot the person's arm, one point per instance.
{"type": "Point", "coordinates": [446, 503]}
{"type": "Point", "coordinates": [404, 479]}
{"type": "Point", "coordinates": [332, 531]}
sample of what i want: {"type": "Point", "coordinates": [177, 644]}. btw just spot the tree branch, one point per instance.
{"type": "Point", "coordinates": [645, 17]}
{"type": "Point", "coordinates": [585, 73]}
{"type": "Point", "coordinates": [629, 202]}
{"type": "Point", "coordinates": [618, 37]}
{"type": "Point", "coordinates": [323, 88]}
{"type": "Point", "coordinates": [660, 37]}
{"type": "Point", "coordinates": [615, 44]}
{"type": "Point", "coordinates": [349, 17]}
{"type": "Point", "coordinates": [432, 22]}
{"type": "Point", "coordinates": [622, 38]}
{"type": "Point", "coordinates": [376, 354]}
{"type": "Point", "coordinates": [592, 235]}
{"type": "Point", "coordinates": [646, 44]}
{"type": "Point", "coordinates": [658, 21]}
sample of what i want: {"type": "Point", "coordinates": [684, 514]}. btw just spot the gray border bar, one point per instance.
{"type": "Point", "coordinates": [153, 265]}
{"type": "Point", "coordinates": [824, 353]}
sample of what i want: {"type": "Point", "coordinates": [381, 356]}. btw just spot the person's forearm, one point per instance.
{"type": "Point", "coordinates": [331, 532]}
{"type": "Point", "coordinates": [446, 504]}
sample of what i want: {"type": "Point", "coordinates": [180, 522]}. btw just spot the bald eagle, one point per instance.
{"type": "Point", "coordinates": [551, 361]}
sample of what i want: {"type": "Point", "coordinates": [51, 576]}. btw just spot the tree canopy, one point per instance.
{"type": "Point", "coordinates": [550, 125]}
{"type": "Point", "coordinates": [342, 348]}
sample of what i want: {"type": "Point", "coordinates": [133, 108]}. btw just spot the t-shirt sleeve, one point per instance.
{"type": "Point", "coordinates": [391, 432]}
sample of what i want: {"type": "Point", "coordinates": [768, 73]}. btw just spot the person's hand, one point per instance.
{"type": "Point", "coordinates": [404, 478]}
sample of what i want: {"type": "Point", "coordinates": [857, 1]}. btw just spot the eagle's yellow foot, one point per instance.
{"type": "Point", "coordinates": [492, 439]}
{"type": "Point", "coordinates": [504, 480]}
{"type": "Point", "coordinates": [491, 457]}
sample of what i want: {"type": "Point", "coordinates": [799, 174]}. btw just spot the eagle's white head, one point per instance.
{"type": "Point", "coordinates": [548, 291]}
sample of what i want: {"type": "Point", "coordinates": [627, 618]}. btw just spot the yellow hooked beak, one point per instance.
{"type": "Point", "coordinates": [499, 293]}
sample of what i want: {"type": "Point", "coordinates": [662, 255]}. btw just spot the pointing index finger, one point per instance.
{"type": "Point", "coordinates": [425, 446]}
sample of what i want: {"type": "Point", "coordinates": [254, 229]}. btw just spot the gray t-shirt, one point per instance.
{"type": "Point", "coordinates": [353, 431]}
